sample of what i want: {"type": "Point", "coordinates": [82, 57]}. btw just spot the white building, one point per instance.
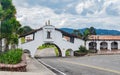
{"type": "Point", "coordinates": [49, 34]}
{"type": "Point", "coordinates": [103, 43]}
{"type": "Point", "coordinates": [65, 41]}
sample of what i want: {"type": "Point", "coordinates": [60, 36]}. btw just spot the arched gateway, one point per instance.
{"type": "Point", "coordinates": [50, 34]}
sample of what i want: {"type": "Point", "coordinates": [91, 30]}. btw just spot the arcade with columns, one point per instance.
{"type": "Point", "coordinates": [103, 43]}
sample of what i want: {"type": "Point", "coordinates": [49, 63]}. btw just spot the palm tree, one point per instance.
{"type": "Point", "coordinates": [6, 31]}
{"type": "Point", "coordinates": [86, 33]}
{"type": "Point", "coordinates": [9, 24]}
{"type": "Point", "coordinates": [14, 41]}
{"type": "Point", "coordinates": [1, 12]}
{"type": "Point", "coordinates": [92, 31]}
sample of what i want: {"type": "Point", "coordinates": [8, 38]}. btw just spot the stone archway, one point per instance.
{"type": "Point", "coordinates": [103, 46]}
{"type": "Point", "coordinates": [27, 51]}
{"type": "Point", "coordinates": [69, 52]}
{"type": "Point", "coordinates": [92, 46]}
{"type": "Point", "coordinates": [114, 46]}
{"type": "Point", "coordinates": [59, 50]}
{"type": "Point", "coordinates": [48, 50]}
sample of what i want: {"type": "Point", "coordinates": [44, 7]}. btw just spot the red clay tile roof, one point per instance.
{"type": "Point", "coordinates": [103, 37]}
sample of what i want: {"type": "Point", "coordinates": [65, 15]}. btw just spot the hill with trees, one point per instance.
{"type": "Point", "coordinates": [98, 31]}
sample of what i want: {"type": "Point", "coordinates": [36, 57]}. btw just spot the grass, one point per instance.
{"type": "Point", "coordinates": [11, 56]}
{"type": "Point", "coordinates": [56, 51]}
{"type": "Point", "coordinates": [67, 53]}
{"type": "Point", "coordinates": [22, 40]}
{"type": "Point", "coordinates": [82, 49]}
{"type": "Point", "coordinates": [45, 46]}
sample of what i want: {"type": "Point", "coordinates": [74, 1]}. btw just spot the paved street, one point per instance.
{"type": "Point", "coordinates": [88, 65]}
{"type": "Point", "coordinates": [48, 52]}
{"type": "Point", "coordinates": [33, 68]}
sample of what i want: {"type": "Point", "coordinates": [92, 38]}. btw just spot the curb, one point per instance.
{"type": "Point", "coordinates": [51, 68]}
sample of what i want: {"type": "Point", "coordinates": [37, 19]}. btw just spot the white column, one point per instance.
{"type": "Point", "coordinates": [3, 44]}
{"type": "Point", "coordinates": [98, 45]}
{"type": "Point", "coordinates": [87, 45]}
{"type": "Point", "coordinates": [119, 45]}
{"type": "Point", "coordinates": [63, 53]}
{"type": "Point", "coordinates": [19, 43]}
{"type": "Point", "coordinates": [109, 45]}
{"type": "Point", "coordinates": [71, 53]}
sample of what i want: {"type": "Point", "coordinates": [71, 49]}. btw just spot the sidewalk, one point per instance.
{"type": "Point", "coordinates": [33, 68]}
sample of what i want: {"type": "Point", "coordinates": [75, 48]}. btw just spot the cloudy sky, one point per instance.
{"type": "Point", "coordinates": [103, 14]}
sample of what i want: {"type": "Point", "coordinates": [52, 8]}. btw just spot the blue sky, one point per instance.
{"type": "Point", "coordinates": [104, 14]}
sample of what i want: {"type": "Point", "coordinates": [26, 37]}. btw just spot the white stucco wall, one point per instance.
{"type": "Point", "coordinates": [99, 41]}
{"type": "Point", "coordinates": [56, 38]}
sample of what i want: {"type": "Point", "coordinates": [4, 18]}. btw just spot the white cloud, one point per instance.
{"type": "Point", "coordinates": [83, 5]}
{"type": "Point", "coordinates": [36, 16]}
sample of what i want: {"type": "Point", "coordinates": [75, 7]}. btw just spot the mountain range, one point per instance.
{"type": "Point", "coordinates": [98, 31]}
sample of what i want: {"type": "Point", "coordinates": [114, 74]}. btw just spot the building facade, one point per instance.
{"type": "Point", "coordinates": [65, 41]}
{"type": "Point", "coordinates": [104, 43]}
{"type": "Point", "coordinates": [49, 34]}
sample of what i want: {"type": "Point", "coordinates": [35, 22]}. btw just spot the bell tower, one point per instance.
{"type": "Point", "coordinates": [48, 32]}
{"type": "Point", "coordinates": [47, 23]}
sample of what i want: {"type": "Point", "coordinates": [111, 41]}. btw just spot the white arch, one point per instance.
{"type": "Point", "coordinates": [114, 45]}
{"type": "Point", "coordinates": [104, 45]}
{"type": "Point", "coordinates": [92, 45]}
{"type": "Point", "coordinates": [71, 52]}
{"type": "Point", "coordinates": [56, 38]}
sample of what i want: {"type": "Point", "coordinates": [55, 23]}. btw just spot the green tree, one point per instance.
{"type": "Point", "coordinates": [14, 41]}
{"type": "Point", "coordinates": [9, 24]}
{"type": "Point", "coordinates": [92, 31]}
{"type": "Point", "coordinates": [27, 29]}
{"type": "Point", "coordinates": [87, 32]}
{"type": "Point", "coordinates": [77, 32]}
{"type": "Point", "coordinates": [23, 30]}
{"type": "Point", "coordinates": [1, 12]}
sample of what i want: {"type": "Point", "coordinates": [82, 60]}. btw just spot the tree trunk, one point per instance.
{"type": "Point", "coordinates": [6, 45]}
{"type": "Point", "coordinates": [0, 45]}
{"type": "Point", "coordinates": [13, 46]}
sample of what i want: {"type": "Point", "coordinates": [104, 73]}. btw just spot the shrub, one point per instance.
{"type": "Point", "coordinates": [56, 51]}
{"type": "Point", "coordinates": [82, 49]}
{"type": "Point", "coordinates": [22, 40]}
{"type": "Point", "coordinates": [47, 45]}
{"type": "Point", "coordinates": [11, 56]}
{"type": "Point", "coordinates": [67, 53]}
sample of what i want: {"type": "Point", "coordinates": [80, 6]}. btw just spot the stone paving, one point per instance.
{"type": "Point", "coordinates": [47, 52]}
{"type": "Point", "coordinates": [107, 52]}
{"type": "Point", "coordinates": [33, 68]}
